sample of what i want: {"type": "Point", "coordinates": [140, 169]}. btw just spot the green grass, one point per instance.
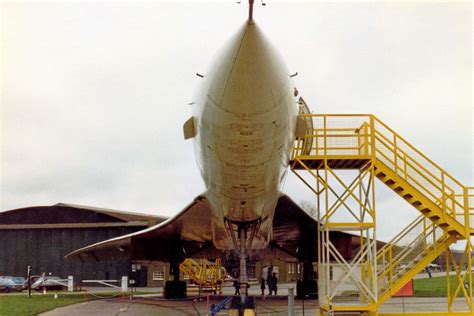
{"type": "Point", "coordinates": [13, 304]}
{"type": "Point", "coordinates": [21, 305]}
{"type": "Point", "coordinates": [434, 287]}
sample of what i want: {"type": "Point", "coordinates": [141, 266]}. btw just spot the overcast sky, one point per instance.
{"type": "Point", "coordinates": [95, 94]}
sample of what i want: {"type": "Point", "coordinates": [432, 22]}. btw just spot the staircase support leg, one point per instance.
{"type": "Point", "coordinates": [345, 201]}
{"type": "Point", "coordinates": [462, 284]}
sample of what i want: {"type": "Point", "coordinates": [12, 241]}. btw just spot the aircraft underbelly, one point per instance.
{"type": "Point", "coordinates": [245, 120]}
{"type": "Point", "coordinates": [245, 161]}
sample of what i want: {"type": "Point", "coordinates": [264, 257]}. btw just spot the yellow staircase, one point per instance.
{"type": "Point", "coordinates": [362, 142]}
{"type": "Point", "coordinates": [204, 273]}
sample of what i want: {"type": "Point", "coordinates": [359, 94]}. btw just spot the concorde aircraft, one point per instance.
{"type": "Point", "coordinates": [244, 125]}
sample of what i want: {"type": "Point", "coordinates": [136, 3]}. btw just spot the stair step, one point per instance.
{"type": "Point", "coordinates": [421, 207]}
{"type": "Point", "coordinates": [416, 203]}
{"type": "Point", "coordinates": [412, 200]}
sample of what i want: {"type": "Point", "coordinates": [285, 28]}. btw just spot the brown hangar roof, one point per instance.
{"type": "Point", "coordinates": [64, 215]}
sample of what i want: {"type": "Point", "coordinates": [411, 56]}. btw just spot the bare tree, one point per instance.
{"type": "Point", "coordinates": [309, 208]}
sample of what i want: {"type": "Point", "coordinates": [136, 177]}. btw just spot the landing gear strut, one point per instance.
{"type": "Point", "coordinates": [243, 263]}
{"type": "Point", "coordinates": [175, 288]}
{"type": "Point", "coordinates": [308, 287]}
{"type": "Point", "coordinates": [242, 245]}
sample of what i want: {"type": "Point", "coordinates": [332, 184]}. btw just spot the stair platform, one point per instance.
{"type": "Point", "coordinates": [318, 162]}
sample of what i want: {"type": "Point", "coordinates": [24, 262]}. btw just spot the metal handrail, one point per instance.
{"type": "Point", "coordinates": [391, 263]}
{"type": "Point", "coordinates": [400, 235]}
{"type": "Point", "coordinates": [418, 152]}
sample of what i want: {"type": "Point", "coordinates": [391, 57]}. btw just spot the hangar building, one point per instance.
{"type": "Point", "coordinates": [41, 236]}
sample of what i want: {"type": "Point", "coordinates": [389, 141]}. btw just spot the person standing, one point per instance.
{"type": "Point", "coordinates": [270, 284]}
{"type": "Point", "coordinates": [237, 287]}
{"type": "Point", "coordinates": [274, 284]}
{"type": "Point", "coordinates": [269, 280]}
{"type": "Point", "coordinates": [428, 270]}
{"type": "Point", "coordinates": [262, 285]}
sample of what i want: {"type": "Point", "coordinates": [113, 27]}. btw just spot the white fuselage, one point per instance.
{"type": "Point", "coordinates": [245, 120]}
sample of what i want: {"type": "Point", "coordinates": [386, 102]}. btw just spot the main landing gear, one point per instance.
{"type": "Point", "coordinates": [243, 234]}
{"type": "Point", "coordinates": [175, 288]}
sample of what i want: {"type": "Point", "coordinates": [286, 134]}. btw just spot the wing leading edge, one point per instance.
{"type": "Point", "coordinates": [190, 226]}
{"type": "Point", "coordinates": [189, 234]}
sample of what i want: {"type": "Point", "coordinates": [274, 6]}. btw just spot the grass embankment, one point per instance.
{"type": "Point", "coordinates": [21, 305]}
{"type": "Point", "coordinates": [434, 287]}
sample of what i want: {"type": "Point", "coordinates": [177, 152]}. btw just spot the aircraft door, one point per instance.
{"type": "Point", "coordinates": [304, 109]}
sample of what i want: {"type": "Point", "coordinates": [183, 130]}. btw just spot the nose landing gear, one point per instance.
{"type": "Point", "coordinates": [242, 244]}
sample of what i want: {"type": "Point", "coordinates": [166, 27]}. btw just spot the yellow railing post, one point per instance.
{"type": "Point", "coordinates": [326, 189]}
{"type": "Point", "coordinates": [467, 220]}
{"type": "Point", "coordinates": [470, 196]}
{"type": "Point", "coordinates": [359, 142]}
{"type": "Point", "coordinates": [405, 166]}
{"type": "Point", "coordinates": [443, 196]}
{"type": "Point", "coordinates": [372, 137]}
{"type": "Point", "coordinates": [324, 134]}
{"type": "Point", "coordinates": [395, 155]}
{"type": "Point", "coordinates": [316, 136]}
{"type": "Point", "coordinates": [424, 235]}
{"type": "Point", "coordinates": [469, 269]}
{"type": "Point", "coordinates": [366, 139]}
{"type": "Point", "coordinates": [390, 267]}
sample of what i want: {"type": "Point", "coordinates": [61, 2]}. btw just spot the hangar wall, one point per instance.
{"type": "Point", "coordinates": [42, 236]}
{"type": "Point", "coordinates": [44, 250]}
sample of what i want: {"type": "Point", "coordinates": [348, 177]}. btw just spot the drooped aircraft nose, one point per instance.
{"type": "Point", "coordinates": [249, 76]}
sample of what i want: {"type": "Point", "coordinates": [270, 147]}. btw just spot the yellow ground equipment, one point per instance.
{"type": "Point", "coordinates": [204, 273]}
{"type": "Point", "coordinates": [347, 153]}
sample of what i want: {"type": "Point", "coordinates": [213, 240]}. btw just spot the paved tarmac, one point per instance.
{"type": "Point", "coordinates": [166, 307]}
{"type": "Point", "coordinates": [154, 304]}
{"type": "Point", "coordinates": [274, 307]}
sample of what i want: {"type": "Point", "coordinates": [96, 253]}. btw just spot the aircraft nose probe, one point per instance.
{"type": "Point", "coordinates": [251, 2]}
